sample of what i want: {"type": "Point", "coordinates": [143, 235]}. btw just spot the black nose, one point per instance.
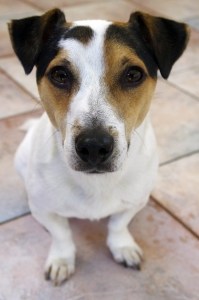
{"type": "Point", "coordinates": [94, 147]}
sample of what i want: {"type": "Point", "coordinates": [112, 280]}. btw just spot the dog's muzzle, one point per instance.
{"type": "Point", "coordinates": [94, 148]}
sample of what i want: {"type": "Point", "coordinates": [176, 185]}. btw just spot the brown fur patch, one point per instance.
{"type": "Point", "coordinates": [56, 101]}
{"type": "Point", "coordinates": [131, 104]}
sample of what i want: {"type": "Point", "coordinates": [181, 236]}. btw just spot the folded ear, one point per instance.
{"type": "Point", "coordinates": [30, 34]}
{"type": "Point", "coordinates": [165, 39]}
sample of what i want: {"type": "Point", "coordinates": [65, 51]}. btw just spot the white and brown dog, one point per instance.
{"type": "Point", "coordinates": [93, 153]}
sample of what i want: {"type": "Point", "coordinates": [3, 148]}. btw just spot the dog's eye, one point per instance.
{"type": "Point", "coordinates": [61, 77]}
{"type": "Point", "coordinates": [132, 77]}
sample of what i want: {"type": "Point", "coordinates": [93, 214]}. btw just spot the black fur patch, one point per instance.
{"type": "Point", "coordinates": [48, 52]}
{"type": "Point", "coordinates": [35, 39]}
{"type": "Point", "coordinates": [166, 39]}
{"type": "Point", "coordinates": [81, 33]}
{"type": "Point", "coordinates": [159, 42]}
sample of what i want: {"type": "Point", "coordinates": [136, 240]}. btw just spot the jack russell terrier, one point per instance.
{"type": "Point", "coordinates": [93, 153]}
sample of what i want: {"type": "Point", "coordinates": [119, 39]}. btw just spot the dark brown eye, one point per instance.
{"type": "Point", "coordinates": [61, 77]}
{"type": "Point", "coordinates": [132, 77]}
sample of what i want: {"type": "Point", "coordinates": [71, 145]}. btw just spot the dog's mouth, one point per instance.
{"type": "Point", "coordinates": [97, 170]}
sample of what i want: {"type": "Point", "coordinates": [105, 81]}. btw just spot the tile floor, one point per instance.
{"type": "Point", "coordinates": [167, 229]}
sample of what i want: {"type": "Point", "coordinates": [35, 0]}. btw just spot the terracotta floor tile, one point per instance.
{"type": "Point", "coordinates": [45, 5]}
{"type": "Point", "coordinates": [10, 9]}
{"type": "Point", "coordinates": [187, 80]}
{"type": "Point", "coordinates": [190, 56]}
{"type": "Point", "coordinates": [5, 45]}
{"type": "Point", "coordinates": [109, 10]}
{"type": "Point", "coordinates": [178, 189]}
{"type": "Point", "coordinates": [13, 201]}
{"type": "Point", "coordinates": [13, 67]}
{"type": "Point", "coordinates": [12, 192]}
{"type": "Point", "coordinates": [172, 8]}
{"type": "Point", "coordinates": [13, 99]}
{"type": "Point", "coordinates": [176, 122]}
{"type": "Point", "coordinates": [194, 22]}
{"type": "Point", "coordinates": [171, 259]}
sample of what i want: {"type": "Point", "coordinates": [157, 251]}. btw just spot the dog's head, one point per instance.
{"type": "Point", "coordinates": [96, 78]}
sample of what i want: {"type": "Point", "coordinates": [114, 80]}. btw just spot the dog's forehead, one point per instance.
{"type": "Point", "coordinates": [86, 31]}
{"type": "Point", "coordinates": [85, 38]}
{"type": "Point", "coordinates": [93, 40]}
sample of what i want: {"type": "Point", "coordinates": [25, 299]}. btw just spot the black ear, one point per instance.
{"type": "Point", "coordinates": [166, 39]}
{"type": "Point", "coordinates": [30, 34]}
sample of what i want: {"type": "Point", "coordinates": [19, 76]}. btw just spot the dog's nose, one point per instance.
{"type": "Point", "coordinates": [94, 147]}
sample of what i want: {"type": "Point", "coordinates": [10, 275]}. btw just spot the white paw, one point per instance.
{"type": "Point", "coordinates": [58, 270]}
{"type": "Point", "coordinates": [130, 256]}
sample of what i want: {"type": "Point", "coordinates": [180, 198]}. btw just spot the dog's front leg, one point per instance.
{"type": "Point", "coordinates": [60, 263]}
{"type": "Point", "coordinates": [120, 241]}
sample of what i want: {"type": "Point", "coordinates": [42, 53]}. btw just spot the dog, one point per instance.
{"type": "Point", "coordinates": [93, 153]}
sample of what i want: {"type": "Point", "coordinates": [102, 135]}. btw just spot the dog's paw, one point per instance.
{"type": "Point", "coordinates": [129, 256]}
{"type": "Point", "coordinates": [59, 270]}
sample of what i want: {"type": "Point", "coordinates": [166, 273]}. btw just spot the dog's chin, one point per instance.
{"type": "Point", "coordinates": [94, 170]}
{"type": "Point", "coordinates": [82, 167]}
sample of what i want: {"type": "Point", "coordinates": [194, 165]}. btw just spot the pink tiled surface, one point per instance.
{"type": "Point", "coordinates": [175, 119]}
{"type": "Point", "coordinates": [170, 269]}
{"type": "Point", "coordinates": [167, 229]}
{"type": "Point", "coordinates": [12, 193]}
{"type": "Point", "coordinates": [173, 9]}
{"type": "Point", "coordinates": [183, 202]}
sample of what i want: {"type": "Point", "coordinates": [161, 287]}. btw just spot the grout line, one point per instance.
{"type": "Point", "coordinates": [176, 218]}
{"type": "Point", "coordinates": [43, 9]}
{"type": "Point", "coordinates": [184, 69]}
{"type": "Point", "coordinates": [191, 18]}
{"type": "Point", "coordinates": [183, 91]}
{"type": "Point", "coordinates": [23, 113]}
{"type": "Point", "coordinates": [143, 7]}
{"type": "Point", "coordinates": [9, 55]}
{"type": "Point", "coordinates": [15, 218]}
{"type": "Point", "coordinates": [33, 5]}
{"type": "Point", "coordinates": [178, 158]}
{"type": "Point", "coordinates": [80, 4]}
{"type": "Point", "coordinates": [19, 85]}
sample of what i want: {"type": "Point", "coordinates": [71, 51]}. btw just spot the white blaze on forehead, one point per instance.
{"type": "Point", "coordinates": [88, 59]}
{"type": "Point", "coordinates": [90, 103]}
{"type": "Point", "coordinates": [90, 55]}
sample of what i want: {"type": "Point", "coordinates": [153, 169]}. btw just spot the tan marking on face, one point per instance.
{"type": "Point", "coordinates": [56, 100]}
{"type": "Point", "coordinates": [131, 104]}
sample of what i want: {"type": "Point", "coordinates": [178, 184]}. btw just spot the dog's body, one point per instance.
{"type": "Point", "coordinates": [93, 154]}
{"type": "Point", "coordinates": [73, 194]}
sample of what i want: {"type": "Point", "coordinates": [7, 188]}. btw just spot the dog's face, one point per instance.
{"type": "Point", "coordinates": [96, 90]}
{"type": "Point", "coordinates": [96, 79]}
